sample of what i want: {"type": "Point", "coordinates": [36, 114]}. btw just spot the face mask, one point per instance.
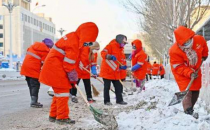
{"type": "Point", "coordinates": [188, 44]}
{"type": "Point", "coordinates": [122, 45]}
{"type": "Point", "coordinates": [95, 51]}
{"type": "Point", "coordinates": [134, 47]}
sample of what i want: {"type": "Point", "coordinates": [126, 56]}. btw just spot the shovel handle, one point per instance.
{"type": "Point", "coordinates": [192, 79]}
{"type": "Point", "coordinates": [96, 77]}
{"type": "Point", "coordinates": [83, 96]}
{"type": "Point", "coordinates": [120, 63]}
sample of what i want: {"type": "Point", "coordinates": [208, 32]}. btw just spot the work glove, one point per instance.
{"type": "Point", "coordinates": [135, 67]}
{"type": "Point", "coordinates": [204, 58]}
{"type": "Point", "coordinates": [111, 57]}
{"type": "Point", "coordinates": [194, 75]}
{"type": "Point", "coordinates": [73, 76]}
{"type": "Point", "coordinates": [93, 70]}
{"type": "Point", "coordinates": [94, 76]}
{"type": "Point", "coordinates": [124, 67]}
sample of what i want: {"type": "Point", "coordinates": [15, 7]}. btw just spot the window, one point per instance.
{"type": "Point", "coordinates": [1, 26]}
{"type": "Point", "coordinates": [1, 17]}
{"type": "Point", "coordinates": [40, 24]}
{"type": "Point", "coordinates": [32, 20]}
{"type": "Point", "coordinates": [43, 25]}
{"type": "Point", "coordinates": [29, 19]}
{"type": "Point", "coordinates": [1, 44]}
{"type": "Point", "coordinates": [22, 17]}
{"type": "Point", "coordinates": [26, 18]}
{"type": "Point", "coordinates": [1, 35]}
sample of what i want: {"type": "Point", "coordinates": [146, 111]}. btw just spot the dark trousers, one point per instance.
{"type": "Point", "coordinates": [33, 85]}
{"type": "Point", "coordinates": [162, 76]}
{"type": "Point", "coordinates": [87, 85]}
{"type": "Point", "coordinates": [190, 99]}
{"type": "Point", "coordinates": [118, 90]}
{"type": "Point", "coordinates": [148, 76]}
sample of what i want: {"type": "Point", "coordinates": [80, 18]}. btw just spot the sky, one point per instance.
{"type": "Point", "coordinates": [109, 15]}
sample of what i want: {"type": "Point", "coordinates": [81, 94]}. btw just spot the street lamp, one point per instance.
{"type": "Point", "coordinates": [61, 31]}
{"type": "Point", "coordinates": [10, 7]}
{"type": "Point", "coordinates": [38, 7]}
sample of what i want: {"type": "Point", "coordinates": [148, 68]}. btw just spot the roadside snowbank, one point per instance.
{"type": "Point", "coordinates": [155, 113]}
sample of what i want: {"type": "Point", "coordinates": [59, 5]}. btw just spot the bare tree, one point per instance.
{"type": "Point", "coordinates": [161, 17]}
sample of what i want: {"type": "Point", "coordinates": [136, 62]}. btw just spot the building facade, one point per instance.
{"type": "Point", "coordinates": [27, 28]}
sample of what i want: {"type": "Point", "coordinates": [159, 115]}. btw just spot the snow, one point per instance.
{"type": "Point", "coordinates": [162, 117]}
{"type": "Point", "coordinates": [7, 69]}
{"type": "Point", "coordinates": [149, 110]}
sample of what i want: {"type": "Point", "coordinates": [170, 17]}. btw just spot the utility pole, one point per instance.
{"type": "Point", "coordinates": [10, 6]}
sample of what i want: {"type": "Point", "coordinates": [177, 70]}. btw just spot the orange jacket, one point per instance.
{"type": "Point", "coordinates": [83, 61]}
{"type": "Point", "coordinates": [123, 73]}
{"type": "Point", "coordinates": [162, 70]}
{"type": "Point", "coordinates": [35, 56]}
{"type": "Point", "coordinates": [110, 69]}
{"type": "Point", "coordinates": [149, 68]}
{"type": "Point", "coordinates": [139, 58]}
{"type": "Point", "coordinates": [155, 69]}
{"type": "Point", "coordinates": [179, 61]}
{"type": "Point", "coordinates": [63, 56]}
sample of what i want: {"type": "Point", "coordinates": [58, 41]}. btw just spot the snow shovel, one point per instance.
{"type": "Point", "coordinates": [179, 96]}
{"type": "Point", "coordinates": [99, 115]}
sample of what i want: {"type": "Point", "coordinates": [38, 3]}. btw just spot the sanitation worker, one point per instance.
{"type": "Point", "coordinates": [59, 70]}
{"type": "Point", "coordinates": [35, 57]}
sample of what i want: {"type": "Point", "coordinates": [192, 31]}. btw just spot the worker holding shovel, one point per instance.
{"type": "Point", "coordinates": [59, 69]}
{"type": "Point", "coordinates": [139, 62]}
{"type": "Point", "coordinates": [186, 57]}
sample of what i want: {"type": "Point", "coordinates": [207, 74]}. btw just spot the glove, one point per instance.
{"type": "Point", "coordinates": [93, 70]}
{"type": "Point", "coordinates": [94, 76]}
{"type": "Point", "coordinates": [124, 67]}
{"type": "Point", "coordinates": [73, 76]}
{"type": "Point", "coordinates": [111, 57]}
{"type": "Point", "coordinates": [194, 75]}
{"type": "Point", "coordinates": [135, 67]}
{"type": "Point", "coordinates": [204, 58]}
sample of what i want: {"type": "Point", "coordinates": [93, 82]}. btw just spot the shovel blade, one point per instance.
{"type": "Point", "coordinates": [178, 97]}
{"type": "Point", "coordinates": [104, 118]}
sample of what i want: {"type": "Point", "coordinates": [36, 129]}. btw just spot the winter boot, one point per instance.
{"type": "Point", "coordinates": [52, 119]}
{"type": "Point", "coordinates": [34, 102]}
{"type": "Point", "coordinates": [122, 103]}
{"type": "Point", "coordinates": [74, 99]}
{"type": "Point", "coordinates": [189, 111]}
{"type": "Point", "coordinates": [90, 100]}
{"type": "Point", "coordinates": [65, 121]}
{"type": "Point", "coordinates": [108, 103]}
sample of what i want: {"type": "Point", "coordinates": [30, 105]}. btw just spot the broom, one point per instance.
{"type": "Point", "coordinates": [126, 89]}
{"type": "Point", "coordinates": [95, 91]}
{"type": "Point", "coordinates": [99, 115]}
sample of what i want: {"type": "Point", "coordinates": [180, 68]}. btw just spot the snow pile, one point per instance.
{"type": "Point", "coordinates": [151, 111]}
{"type": "Point", "coordinates": [7, 70]}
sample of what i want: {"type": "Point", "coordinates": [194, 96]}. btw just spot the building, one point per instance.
{"type": "Point", "coordinates": [27, 28]}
